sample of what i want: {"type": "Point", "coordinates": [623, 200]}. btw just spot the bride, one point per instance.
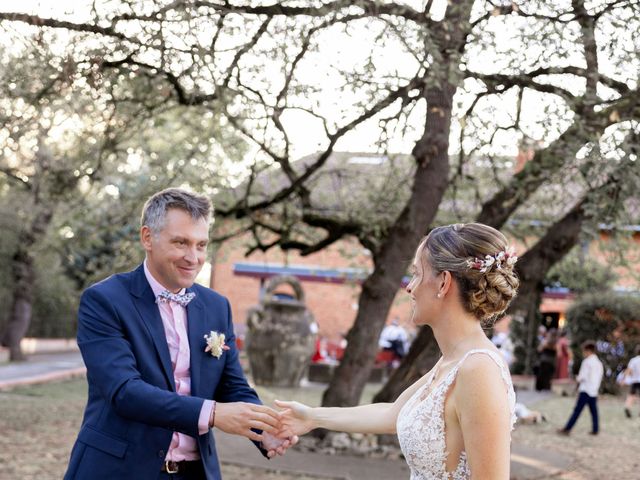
{"type": "Point", "coordinates": [456, 421]}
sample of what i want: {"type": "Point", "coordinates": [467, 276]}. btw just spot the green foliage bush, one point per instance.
{"type": "Point", "coordinates": [55, 302]}
{"type": "Point", "coordinates": [612, 320]}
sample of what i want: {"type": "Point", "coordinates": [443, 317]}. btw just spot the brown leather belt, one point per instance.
{"type": "Point", "coordinates": [169, 466]}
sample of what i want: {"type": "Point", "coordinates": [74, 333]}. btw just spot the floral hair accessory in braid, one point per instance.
{"type": "Point", "coordinates": [506, 257]}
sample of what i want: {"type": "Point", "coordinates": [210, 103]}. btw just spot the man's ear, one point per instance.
{"type": "Point", "coordinates": [145, 237]}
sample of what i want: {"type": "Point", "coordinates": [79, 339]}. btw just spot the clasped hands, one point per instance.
{"type": "Point", "coordinates": [240, 418]}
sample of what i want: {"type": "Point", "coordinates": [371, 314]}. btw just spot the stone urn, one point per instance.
{"type": "Point", "coordinates": [280, 337]}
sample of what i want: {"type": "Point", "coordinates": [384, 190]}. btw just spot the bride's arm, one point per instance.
{"type": "Point", "coordinates": [298, 419]}
{"type": "Point", "coordinates": [482, 406]}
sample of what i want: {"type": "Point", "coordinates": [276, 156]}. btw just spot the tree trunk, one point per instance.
{"type": "Point", "coordinates": [390, 264]}
{"type": "Point", "coordinates": [422, 356]}
{"type": "Point", "coordinates": [430, 181]}
{"type": "Point", "coordinates": [21, 306]}
{"type": "Point", "coordinates": [525, 318]}
{"type": "Point", "coordinates": [532, 268]}
{"type": "Point", "coordinates": [23, 285]}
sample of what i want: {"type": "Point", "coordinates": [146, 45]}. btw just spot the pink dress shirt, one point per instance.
{"type": "Point", "coordinates": [174, 320]}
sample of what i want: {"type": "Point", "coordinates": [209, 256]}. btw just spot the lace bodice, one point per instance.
{"type": "Point", "coordinates": [420, 425]}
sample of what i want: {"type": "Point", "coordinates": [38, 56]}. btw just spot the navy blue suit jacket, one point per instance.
{"type": "Point", "coordinates": [133, 408]}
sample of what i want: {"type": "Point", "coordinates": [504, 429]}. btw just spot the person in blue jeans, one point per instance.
{"type": "Point", "coordinates": [589, 379]}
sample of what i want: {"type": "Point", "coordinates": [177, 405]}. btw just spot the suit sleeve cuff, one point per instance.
{"type": "Point", "coordinates": [205, 414]}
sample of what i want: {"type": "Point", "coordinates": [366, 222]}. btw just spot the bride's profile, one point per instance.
{"type": "Point", "coordinates": [455, 422]}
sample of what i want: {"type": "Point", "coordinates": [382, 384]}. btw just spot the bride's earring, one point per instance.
{"type": "Point", "coordinates": [439, 295]}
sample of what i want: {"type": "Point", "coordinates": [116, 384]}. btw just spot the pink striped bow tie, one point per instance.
{"type": "Point", "coordinates": [179, 298]}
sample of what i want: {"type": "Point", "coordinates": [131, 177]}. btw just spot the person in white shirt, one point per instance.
{"type": "Point", "coordinates": [394, 338]}
{"type": "Point", "coordinates": [589, 379]}
{"type": "Point", "coordinates": [632, 378]}
{"type": "Point", "coordinates": [505, 345]}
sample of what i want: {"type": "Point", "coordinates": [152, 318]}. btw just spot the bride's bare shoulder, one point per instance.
{"type": "Point", "coordinates": [482, 374]}
{"type": "Point", "coordinates": [481, 363]}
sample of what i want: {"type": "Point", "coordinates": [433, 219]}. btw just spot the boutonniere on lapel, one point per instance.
{"type": "Point", "coordinates": [215, 343]}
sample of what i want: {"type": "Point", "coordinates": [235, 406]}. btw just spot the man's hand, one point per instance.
{"type": "Point", "coordinates": [277, 446]}
{"type": "Point", "coordinates": [239, 418]}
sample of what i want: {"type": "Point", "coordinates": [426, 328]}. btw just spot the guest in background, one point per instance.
{"type": "Point", "coordinates": [563, 355]}
{"type": "Point", "coordinates": [542, 333]}
{"type": "Point", "coordinates": [589, 379]}
{"type": "Point", "coordinates": [546, 360]}
{"type": "Point", "coordinates": [632, 378]}
{"type": "Point", "coordinates": [505, 345]}
{"type": "Point", "coordinates": [527, 416]}
{"type": "Point", "coordinates": [394, 338]}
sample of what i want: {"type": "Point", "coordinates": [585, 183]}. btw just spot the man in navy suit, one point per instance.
{"type": "Point", "coordinates": [162, 364]}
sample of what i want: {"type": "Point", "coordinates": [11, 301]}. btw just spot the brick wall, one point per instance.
{"type": "Point", "coordinates": [334, 306]}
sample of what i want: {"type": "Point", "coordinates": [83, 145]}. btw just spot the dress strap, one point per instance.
{"type": "Point", "coordinates": [506, 376]}
{"type": "Point", "coordinates": [496, 357]}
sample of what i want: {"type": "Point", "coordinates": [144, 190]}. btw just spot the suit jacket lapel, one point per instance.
{"type": "Point", "coordinates": [196, 332]}
{"type": "Point", "coordinates": [148, 309]}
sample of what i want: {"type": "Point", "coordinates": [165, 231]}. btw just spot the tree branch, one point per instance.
{"type": "Point", "coordinates": [182, 96]}
{"type": "Point", "coordinates": [37, 21]}
{"type": "Point", "coordinates": [369, 7]}
{"type": "Point", "coordinates": [587, 27]}
{"type": "Point", "coordinates": [590, 126]}
{"type": "Point", "coordinates": [12, 174]}
{"type": "Point", "coordinates": [297, 184]}
{"type": "Point", "coordinates": [500, 83]}
{"type": "Point", "coordinates": [245, 48]}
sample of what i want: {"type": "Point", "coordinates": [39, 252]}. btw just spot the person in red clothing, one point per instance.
{"type": "Point", "coordinates": [320, 353]}
{"type": "Point", "coordinates": [563, 355]}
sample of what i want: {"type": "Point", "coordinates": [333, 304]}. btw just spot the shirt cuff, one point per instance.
{"type": "Point", "coordinates": [205, 414]}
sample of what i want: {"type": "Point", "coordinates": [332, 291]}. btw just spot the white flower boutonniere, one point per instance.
{"type": "Point", "coordinates": [215, 344]}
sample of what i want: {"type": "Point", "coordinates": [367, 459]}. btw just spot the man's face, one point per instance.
{"type": "Point", "coordinates": [175, 255]}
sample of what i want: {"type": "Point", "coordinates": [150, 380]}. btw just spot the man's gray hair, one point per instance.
{"type": "Point", "coordinates": [155, 209]}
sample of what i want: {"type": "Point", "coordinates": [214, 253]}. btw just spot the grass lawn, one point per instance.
{"type": "Point", "coordinates": [39, 424]}
{"type": "Point", "coordinates": [613, 454]}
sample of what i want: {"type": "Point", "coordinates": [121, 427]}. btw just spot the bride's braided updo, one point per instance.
{"type": "Point", "coordinates": [479, 260]}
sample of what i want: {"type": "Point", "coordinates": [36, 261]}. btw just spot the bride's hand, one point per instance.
{"type": "Point", "coordinates": [295, 419]}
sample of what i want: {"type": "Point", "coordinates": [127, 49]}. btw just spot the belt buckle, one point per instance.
{"type": "Point", "coordinates": [168, 464]}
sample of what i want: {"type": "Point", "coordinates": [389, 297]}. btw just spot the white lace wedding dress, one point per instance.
{"type": "Point", "coordinates": [420, 426]}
